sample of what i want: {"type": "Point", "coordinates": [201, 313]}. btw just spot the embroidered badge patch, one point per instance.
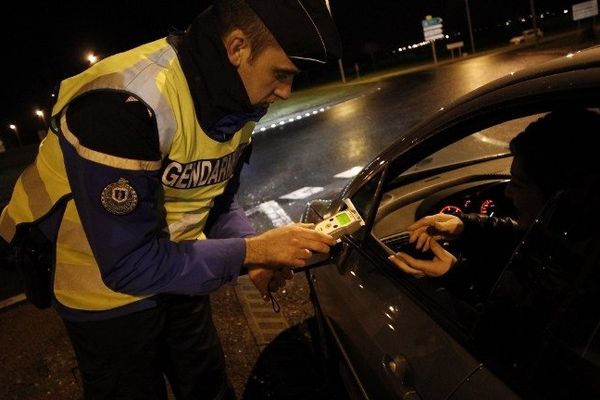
{"type": "Point", "coordinates": [119, 198]}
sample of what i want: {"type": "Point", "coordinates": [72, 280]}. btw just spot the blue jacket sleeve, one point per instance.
{"type": "Point", "coordinates": [133, 251]}
{"type": "Point", "coordinates": [227, 219]}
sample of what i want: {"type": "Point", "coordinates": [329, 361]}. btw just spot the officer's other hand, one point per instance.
{"type": "Point", "coordinates": [267, 279]}
{"type": "Point", "coordinates": [288, 246]}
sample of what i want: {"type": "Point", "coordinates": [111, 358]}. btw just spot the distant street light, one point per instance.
{"type": "Point", "coordinates": [14, 128]}
{"type": "Point", "coordinates": [42, 132]}
{"type": "Point", "coordinates": [470, 26]}
{"type": "Point", "coordinates": [92, 58]}
{"type": "Point", "coordinates": [41, 115]}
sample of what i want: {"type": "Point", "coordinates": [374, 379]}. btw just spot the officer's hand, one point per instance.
{"type": "Point", "coordinates": [437, 226]}
{"type": "Point", "coordinates": [441, 263]}
{"type": "Point", "coordinates": [289, 246]}
{"type": "Point", "coordinates": [266, 279]}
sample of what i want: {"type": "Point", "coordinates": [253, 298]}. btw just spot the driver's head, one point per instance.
{"type": "Point", "coordinates": [552, 154]}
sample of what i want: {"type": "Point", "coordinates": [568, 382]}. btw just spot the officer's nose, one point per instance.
{"type": "Point", "coordinates": [283, 91]}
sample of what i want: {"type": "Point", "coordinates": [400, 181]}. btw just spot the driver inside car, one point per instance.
{"type": "Point", "coordinates": [543, 164]}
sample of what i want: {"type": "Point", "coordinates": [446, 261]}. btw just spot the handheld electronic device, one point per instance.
{"type": "Point", "coordinates": [345, 222]}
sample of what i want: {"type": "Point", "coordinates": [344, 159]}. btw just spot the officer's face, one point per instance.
{"type": "Point", "coordinates": [267, 76]}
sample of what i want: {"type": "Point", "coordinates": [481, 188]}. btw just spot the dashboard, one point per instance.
{"type": "Point", "coordinates": [485, 197]}
{"type": "Point", "coordinates": [481, 196]}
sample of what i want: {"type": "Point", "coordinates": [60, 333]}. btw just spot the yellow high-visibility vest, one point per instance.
{"type": "Point", "coordinates": [196, 168]}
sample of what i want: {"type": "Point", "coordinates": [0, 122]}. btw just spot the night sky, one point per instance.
{"type": "Point", "coordinates": [48, 41]}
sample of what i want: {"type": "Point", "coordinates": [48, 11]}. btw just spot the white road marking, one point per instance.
{"type": "Point", "coordinates": [264, 323]}
{"type": "Point", "coordinates": [274, 212]}
{"type": "Point", "coordinates": [351, 173]}
{"type": "Point", "coordinates": [302, 193]}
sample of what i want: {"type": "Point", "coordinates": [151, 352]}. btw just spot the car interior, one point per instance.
{"type": "Point", "coordinates": [522, 312]}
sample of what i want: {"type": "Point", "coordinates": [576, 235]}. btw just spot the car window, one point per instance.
{"type": "Point", "coordinates": [488, 142]}
{"type": "Point", "coordinates": [472, 180]}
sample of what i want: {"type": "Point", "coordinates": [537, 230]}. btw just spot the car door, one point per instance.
{"type": "Point", "coordinates": [395, 348]}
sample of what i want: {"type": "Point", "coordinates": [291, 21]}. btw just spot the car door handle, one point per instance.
{"type": "Point", "coordinates": [398, 368]}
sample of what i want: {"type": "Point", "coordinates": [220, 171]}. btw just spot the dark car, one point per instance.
{"type": "Point", "coordinates": [395, 336]}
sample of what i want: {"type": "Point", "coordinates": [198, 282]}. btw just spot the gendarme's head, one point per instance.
{"type": "Point", "coordinates": [270, 41]}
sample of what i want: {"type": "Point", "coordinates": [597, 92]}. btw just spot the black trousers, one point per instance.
{"type": "Point", "coordinates": [126, 357]}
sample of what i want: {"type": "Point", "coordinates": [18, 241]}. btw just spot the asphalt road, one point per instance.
{"type": "Point", "coordinates": [36, 361]}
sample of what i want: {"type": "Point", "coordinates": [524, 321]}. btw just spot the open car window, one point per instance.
{"type": "Point", "coordinates": [460, 160]}
{"type": "Point", "coordinates": [452, 179]}
{"type": "Point", "coordinates": [467, 176]}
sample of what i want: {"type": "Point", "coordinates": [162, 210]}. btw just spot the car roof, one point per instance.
{"type": "Point", "coordinates": [554, 81]}
{"type": "Point", "coordinates": [579, 60]}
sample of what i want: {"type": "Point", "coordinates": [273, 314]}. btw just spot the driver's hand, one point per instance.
{"type": "Point", "coordinates": [441, 263]}
{"type": "Point", "coordinates": [437, 226]}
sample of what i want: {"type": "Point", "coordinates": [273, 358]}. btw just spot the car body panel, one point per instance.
{"type": "Point", "coordinates": [387, 313]}
{"type": "Point", "coordinates": [478, 386]}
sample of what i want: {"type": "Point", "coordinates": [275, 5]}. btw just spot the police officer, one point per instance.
{"type": "Point", "coordinates": [136, 188]}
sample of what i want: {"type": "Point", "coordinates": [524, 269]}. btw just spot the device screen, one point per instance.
{"type": "Point", "coordinates": [342, 218]}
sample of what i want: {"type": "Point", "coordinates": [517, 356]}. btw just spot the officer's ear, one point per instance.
{"type": "Point", "coordinates": [237, 46]}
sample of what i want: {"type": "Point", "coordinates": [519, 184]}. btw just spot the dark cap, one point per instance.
{"type": "Point", "coordinates": [303, 28]}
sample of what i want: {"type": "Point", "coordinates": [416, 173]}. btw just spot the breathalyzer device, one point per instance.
{"type": "Point", "coordinates": [345, 222]}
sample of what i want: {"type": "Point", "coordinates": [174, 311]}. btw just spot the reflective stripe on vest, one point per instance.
{"type": "Point", "coordinates": [41, 185]}
{"type": "Point", "coordinates": [142, 72]}
{"type": "Point", "coordinates": [77, 280]}
{"type": "Point", "coordinates": [102, 158]}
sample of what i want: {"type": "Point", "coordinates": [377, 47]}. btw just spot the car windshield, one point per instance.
{"type": "Point", "coordinates": [490, 142]}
